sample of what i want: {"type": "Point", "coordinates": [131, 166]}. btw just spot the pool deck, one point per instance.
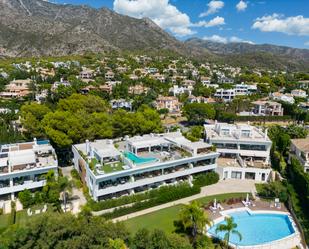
{"type": "Point", "coordinates": [288, 242]}
{"type": "Point", "coordinates": [259, 205]}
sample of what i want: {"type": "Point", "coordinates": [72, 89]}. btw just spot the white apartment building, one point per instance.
{"type": "Point", "coordinates": [225, 94]}
{"type": "Point", "coordinates": [238, 90]}
{"type": "Point", "coordinates": [300, 149]}
{"type": "Point", "coordinates": [267, 108]}
{"type": "Point", "coordinates": [299, 93]}
{"type": "Point", "coordinates": [177, 90]}
{"type": "Point", "coordinates": [115, 168]}
{"type": "Point", "coordinates": [24, 165]}
{"type": "Point", "coordinates": [244, 150]}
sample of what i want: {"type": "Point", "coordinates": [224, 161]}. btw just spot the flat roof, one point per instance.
{"type": "Point", "coordinates": [105, 148]}
{"type": "Point", "coordinates": [147, 141]}
{"type": "Point", "coordinates": [21, 157]}
{"type": "Point", "coordinates": [217, 131]}
{"type": "Point", "coordinates": [301, 143]}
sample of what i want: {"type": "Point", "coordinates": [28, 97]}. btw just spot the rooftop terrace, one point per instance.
{"type": "Point", "coordinates": [26, 156]}
{"type": "Point", "coordinates": [235, 132]}
{"type": "Point", "coordinates": [108, 156]}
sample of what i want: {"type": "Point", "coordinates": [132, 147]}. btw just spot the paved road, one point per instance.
{"type": "Point", "coordinates": [222, 187]}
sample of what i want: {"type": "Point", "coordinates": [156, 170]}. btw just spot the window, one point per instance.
{"type": "Point", "coordinates": [250, 175]}
{"type": "Point", "coordinates": [245, 133]}
{"type": "Point", "coordinates": [225, 131]}
{"type": "Point", "coordinates": [236, 175]}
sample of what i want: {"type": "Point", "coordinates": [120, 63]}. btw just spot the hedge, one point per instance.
{"type": "Point", "coordinates": [206, 179]}
{"type": "Point", "coordinates": [163, 195]}
{"type": "Point", "coordinates": [202, 179]}
{"type": "Point", "coordinates": [299, 192]}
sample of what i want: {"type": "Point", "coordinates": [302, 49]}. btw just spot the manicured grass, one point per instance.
{"type": "Point", "coordinates": [108, 168]}
{"type": "Point", "coordinates": [4, 220]}
{"type": "Point", "coordinates": [21, 216]}
{"type": "Point", "coordinates": [164, 218]}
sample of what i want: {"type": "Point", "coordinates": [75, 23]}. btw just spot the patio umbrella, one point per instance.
{"type": "Point", "coordinates": [215, 203]}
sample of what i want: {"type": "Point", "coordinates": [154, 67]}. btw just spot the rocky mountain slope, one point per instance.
{"type": "Point", "coordinates": [267, 54]}
{"type": "Point", "coordinates": [41, 28]}
{"type": "Point", "coordinates": [36, 27]}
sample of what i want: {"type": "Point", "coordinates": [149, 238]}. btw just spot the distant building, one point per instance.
{"type": "Point", "coordinates": [16, 89]}
{"type": "Point", "coordinates": [177, 90]}
{"type": "Point", "coordinates": [298, 93]}
{"type": "Point", "coordinates": [60, 83]}
{"type": "Point", "coordinates": [300, 149]}
{"type": "Point", "coordinates": [267, 108]}
{"type": "Point", "coordinates": [225, 94]}
{"type": "Point", "coordinates": [121, 103]}
{"type": "Point", "coordinates": [200, 99]}
{"type": "Point", "coordinates": [225, 80]}
{"type": "Point", "coordinates": [158, 77]}
{"type": "Point", "coordinates": [138, 89]}
{"type": "Point", "coordinates": [171, 103]}
{"type": "Point", "coordinates": [109, 75]}
{"type": "Point", "coordinates": [288, 98]}
{"type": "Point", "coordinates": [86, 74]}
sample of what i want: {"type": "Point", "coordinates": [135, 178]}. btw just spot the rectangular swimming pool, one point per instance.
{"type": "Point", "coordinates": [139, 160]}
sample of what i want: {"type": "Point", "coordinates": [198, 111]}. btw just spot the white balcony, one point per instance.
{"type": "Point", "coordinates": [17, 188]}
{"type": "Point", "coordinates": [147, 181]}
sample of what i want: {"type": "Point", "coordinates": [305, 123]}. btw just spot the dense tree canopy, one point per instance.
{"type": "Point", "coordinates": [198, 112]}
{"type": "Point", "coordinates": [80, 117]}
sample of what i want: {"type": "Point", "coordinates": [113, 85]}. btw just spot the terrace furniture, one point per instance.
{"type": "Point", "coordinates": [213, 209]}
{"type": "Point", "coordinates": [277, 203]}
{"type": "Point", "coordinates": [220, 206]}
{"type": "Point", "coordinates": [37, 211]}
{"type": "Point", "coordinates": [29, 212]}
{"type": "Point", "coordinates": [44, 208]}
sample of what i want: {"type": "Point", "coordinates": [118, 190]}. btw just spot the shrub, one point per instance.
{"type": "Point", "coordinates": [26, 198]}
{"type": "Point", "coordinates": [205, 179]}
{"type": "Point", "coordinates": [273, 190]}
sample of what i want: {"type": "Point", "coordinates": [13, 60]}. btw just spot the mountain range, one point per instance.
{"type": "Point", "coordinates": [242, 52]}
{"type": "Point", "coordinates": [40, 28]}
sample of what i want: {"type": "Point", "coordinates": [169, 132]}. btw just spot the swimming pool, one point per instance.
{"type": "Point", "coordinates": [139, 160]}
{"type": "Point", "coordinates": [257, 228]}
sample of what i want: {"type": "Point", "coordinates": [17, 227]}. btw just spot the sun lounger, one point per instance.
{"type": "Point", "coordinates": [219, 206]}
{"type": "Point", "coordinates": [246, 204]}
{"type": "Point", "coordinates": [212, 209]}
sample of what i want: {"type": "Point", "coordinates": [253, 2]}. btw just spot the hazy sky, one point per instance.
{"type": "Point", "coordinates": [281, 22]}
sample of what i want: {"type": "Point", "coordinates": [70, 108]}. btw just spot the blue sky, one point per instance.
{"type": "Point", "coordinates": [281, 22]}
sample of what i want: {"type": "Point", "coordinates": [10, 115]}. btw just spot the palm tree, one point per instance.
{"type": "Point", "coordinates": [229, 228]}
{"type": "Point", "coordinates": [194, 217]}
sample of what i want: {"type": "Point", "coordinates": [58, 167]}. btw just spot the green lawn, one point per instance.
{"type": "Point", "coordinates": [110, 168]}
{"type": "Point", "coordinates": [164, 218]}
{"type": "Point", "coordinates": [21, 216]}
{"type": "Point", "coordinates": [4, 220]}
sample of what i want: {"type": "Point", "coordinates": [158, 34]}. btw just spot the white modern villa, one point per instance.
{"type": "Point", "coordinates": [300, 149]}
{"type": "Point", "coordinates": [24, 165]}
{"type": "Point", "coordinates": [112, 168]}
{"type": "Point", "coordinates": [244, 150]}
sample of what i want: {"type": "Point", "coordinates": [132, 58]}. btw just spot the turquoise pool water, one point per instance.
{"type": "Point", "coordinates": [257, 229]}
{"type": "Point", "coordinates": [41, 142]}
{"type": "Point", "coordinates": [139, 160]}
